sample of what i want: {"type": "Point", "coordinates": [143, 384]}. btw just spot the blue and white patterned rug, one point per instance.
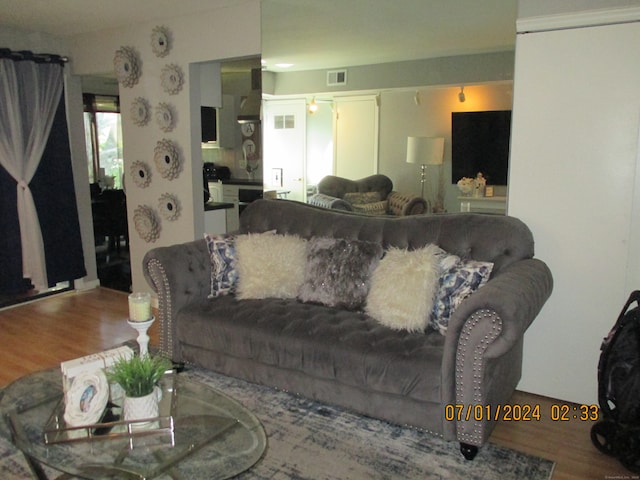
{"type": "Point", "coordinates": [308, 440]}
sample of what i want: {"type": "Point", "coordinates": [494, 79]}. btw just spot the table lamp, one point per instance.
{"type": "Point", "coordinates": [425, 151]}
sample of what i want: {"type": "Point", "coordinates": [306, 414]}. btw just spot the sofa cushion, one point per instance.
{"type": "Point", "coordinates": [458, 282]}
{"type": "Point", "coordinates": [403, 287]}
{"type": "Point", "coordinates": [361, 198]}
{"type": "Point", "coordinates": [223, 264]}
{"type": "Point", "coordinates": [269, 265]}
{"type": "Point", "coordinates": [326, 201]}
{"type": "Point", "coordinates": [338, 271]}
{"type": "Point", "coordinates": [376, 208]}
{"type": "Point", "coordinates": [348, 348]}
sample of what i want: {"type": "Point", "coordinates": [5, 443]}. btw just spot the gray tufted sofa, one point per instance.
{"type": "Point", "coordinates": [332, 191]}
{"type": "Point", "coordinates": [345, 357]}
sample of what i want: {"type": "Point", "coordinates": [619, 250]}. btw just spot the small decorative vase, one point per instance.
{"type": "Point", "coordinates": [140, 408]}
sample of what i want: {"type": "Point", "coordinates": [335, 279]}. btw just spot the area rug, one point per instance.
{"type": "Point", "coordinates": [308, 440]}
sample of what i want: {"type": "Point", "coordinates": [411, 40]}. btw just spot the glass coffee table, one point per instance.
{"type": "Point", "coordinates": [209, 434]}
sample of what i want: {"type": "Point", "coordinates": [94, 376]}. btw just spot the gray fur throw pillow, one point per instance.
{"type": "Point", "coordinates": [338, 272]}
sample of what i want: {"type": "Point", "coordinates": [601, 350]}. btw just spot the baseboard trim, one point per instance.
{"type": "Point", "coordinates": [81, 284]}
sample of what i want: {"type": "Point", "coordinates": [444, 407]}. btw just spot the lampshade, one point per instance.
{"type": "Point", "coordinates": [425, 150]}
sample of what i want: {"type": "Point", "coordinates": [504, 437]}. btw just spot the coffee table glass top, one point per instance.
{"type": "Point", "coordinates": [214, 436]}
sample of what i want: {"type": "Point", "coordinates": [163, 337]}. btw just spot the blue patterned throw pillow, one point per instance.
{"type": "Point", "coordinates": [459, 279]}
{"type": "Point", "coordinates": [223, 264]}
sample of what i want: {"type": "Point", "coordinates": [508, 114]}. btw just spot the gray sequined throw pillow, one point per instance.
{"type": "Point", "coordinates": [338, 272]}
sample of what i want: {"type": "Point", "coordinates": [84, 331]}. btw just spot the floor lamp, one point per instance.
{"type": "Point", "coordinates": [425, 151]}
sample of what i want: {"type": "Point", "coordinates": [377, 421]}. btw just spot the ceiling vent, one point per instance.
{"type": "Point", "coordinates": [336, 77]}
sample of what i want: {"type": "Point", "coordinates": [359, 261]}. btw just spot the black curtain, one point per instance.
{"type": "Point", "coordinates": [54, 196]}
{"type": "Point", "coordinates": [11, 280]}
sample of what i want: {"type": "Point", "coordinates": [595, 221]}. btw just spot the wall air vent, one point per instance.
{"type": "Point", "coordinates": [336, 77]}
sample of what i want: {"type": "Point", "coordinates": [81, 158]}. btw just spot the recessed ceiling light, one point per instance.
{"type": "Point", "coordinates": [284, 65]}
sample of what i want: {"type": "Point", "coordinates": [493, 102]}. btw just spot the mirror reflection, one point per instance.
{"type": "Point", "coordinates": [346, 85]}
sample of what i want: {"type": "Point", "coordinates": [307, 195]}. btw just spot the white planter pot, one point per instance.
{"type": "Point", "coordinates": [140, 408]}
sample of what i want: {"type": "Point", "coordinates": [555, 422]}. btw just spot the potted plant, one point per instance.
{"type": "Point", "coordinates": [138, 376]}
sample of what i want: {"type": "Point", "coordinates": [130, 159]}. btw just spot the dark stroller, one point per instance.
{"type": "Point", "coordinates": [617, 433]}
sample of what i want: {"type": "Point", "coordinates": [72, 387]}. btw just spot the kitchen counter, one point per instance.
{"type": "Point", "coordinates": [209, 206]}
{"type": "Point", "coordinates": [242, 181]}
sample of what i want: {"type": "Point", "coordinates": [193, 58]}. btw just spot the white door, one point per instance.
{"type": "Point", "coordinates": [284, 129]}
{"type": "Point", "coordinates": [573, 179]}
{"type": "Point", "coordinates": [320, 149]}
{"type": "Point", "coordinates": [356, 136]}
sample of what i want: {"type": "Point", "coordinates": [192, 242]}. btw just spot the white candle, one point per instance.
{"type": "Point", "coordinates": [140, 307]}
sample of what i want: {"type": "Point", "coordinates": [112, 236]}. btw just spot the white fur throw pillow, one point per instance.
{"type": "Point", "coordinates": [269, 265]}
{"type": "Point", "coordinates": [403, 288]}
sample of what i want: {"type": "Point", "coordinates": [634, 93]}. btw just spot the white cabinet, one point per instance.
{"type": "Point", "coordinates": [231, 194]}
{"type": "Point", "coordinates": [210, 85]}
{"type": "Point", "coordinates": [495, 205]}
{"type": "Point", "coordinates": [215, 221]}
{"type": "Point", "coordinates": [228, 128]}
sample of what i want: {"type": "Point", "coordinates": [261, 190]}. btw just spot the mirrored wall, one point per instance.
{"type": "Point", "coordinates": [413, 59]}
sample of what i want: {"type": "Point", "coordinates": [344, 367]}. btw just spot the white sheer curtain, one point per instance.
{"type": "Point", "coordinates": [29, 96]}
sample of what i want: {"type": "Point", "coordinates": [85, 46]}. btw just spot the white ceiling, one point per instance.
{"type": "Point", "coordinates": [66, 18]}
{"type": "Point", "coordinates": [311, 34]}
{"type": "Point", "coordinates": [337, 33]}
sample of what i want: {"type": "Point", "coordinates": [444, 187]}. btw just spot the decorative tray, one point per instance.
{"type": "Point", "coordinates": [112, 425]}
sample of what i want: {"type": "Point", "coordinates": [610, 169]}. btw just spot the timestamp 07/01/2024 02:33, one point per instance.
{"type": "Point", "coordinates": [562, 412]}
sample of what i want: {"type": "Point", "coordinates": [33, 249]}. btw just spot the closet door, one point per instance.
{"type": "Point", "coordinates": [573, 179]}
{"type": "Point", "coordinates": [356, 136]}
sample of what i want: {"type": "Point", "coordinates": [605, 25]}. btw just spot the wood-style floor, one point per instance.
{"type": "Point", "coordinates": [43, 333]}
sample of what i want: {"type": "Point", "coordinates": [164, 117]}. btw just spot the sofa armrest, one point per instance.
{"type": "Point", "coordinates": [180, 275]}
{"type": "Point", "coordinates": [327, 201]}
{"type": "Point", "coordinates": [406, 204]}
{"type": "Point", "coordinates": [482, 355]}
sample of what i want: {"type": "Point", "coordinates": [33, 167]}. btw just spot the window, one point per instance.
{"type": "Point", "coordinates": [103, 134]}
{"type": "Point", "coordinates": [284, 121]}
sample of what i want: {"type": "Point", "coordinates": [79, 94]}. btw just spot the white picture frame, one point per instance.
{"type": "Point", "coordinates": [86, 399]}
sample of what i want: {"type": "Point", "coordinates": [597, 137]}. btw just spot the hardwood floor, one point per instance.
{"type": "Point", "coordinates": [45, 332]}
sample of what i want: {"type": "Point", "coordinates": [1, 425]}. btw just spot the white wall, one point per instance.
{"type": "Point", "coordinates": [455, 70]}
{"type": "Point", "coordinates": [573, 180]}
{"type": "Point", "coordinates": [223, 33]}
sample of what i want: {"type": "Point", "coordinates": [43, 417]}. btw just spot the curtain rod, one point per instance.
{"type": "Point", "coordinates": [29, 55]}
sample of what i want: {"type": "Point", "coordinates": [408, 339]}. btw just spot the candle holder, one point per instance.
{"type": "Point", "coordinates": [143, 338]}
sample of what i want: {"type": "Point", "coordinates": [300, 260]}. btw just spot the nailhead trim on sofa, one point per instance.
{"type": "Point", "coordinates": [476, 434]}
